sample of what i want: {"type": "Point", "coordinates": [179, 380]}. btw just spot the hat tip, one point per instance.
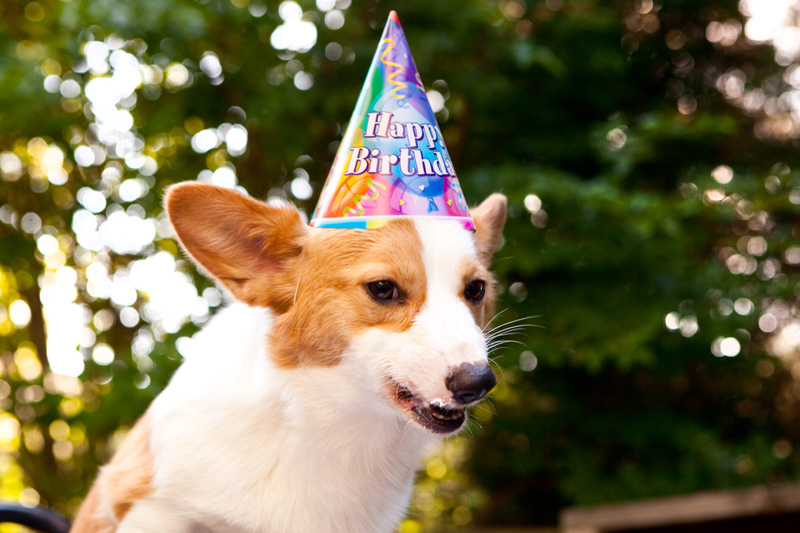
{"type": "Point", "coordinates": [393, 16]}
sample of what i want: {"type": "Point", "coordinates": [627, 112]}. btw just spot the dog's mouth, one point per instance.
{"type": "Point", "coordinates": [431, 415]}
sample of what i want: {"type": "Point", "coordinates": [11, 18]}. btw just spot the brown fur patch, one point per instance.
{"type": "Point", "coordinates": [90, 517]}
{"type": "Point", "coordinates": [315, 281]}
{"type": "Point", "coordinates": [332, 303]}
{"type": "Point", "coordinates": [482, 311]}
{"type": "Point", "coordinates": [489, 218]}
{"type": "Point", "coordinates": [121, 483]}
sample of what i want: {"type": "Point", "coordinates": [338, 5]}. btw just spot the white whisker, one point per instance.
{"type": "Point", "coordinates": [513, 322]}
{"type": "Point", "coordinates": [297, 288]}
{"type": "Point", "coordinates": [493, 318]}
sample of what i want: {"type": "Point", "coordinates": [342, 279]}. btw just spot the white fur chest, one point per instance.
{"type": "Point", "coordinates": [250, 447]}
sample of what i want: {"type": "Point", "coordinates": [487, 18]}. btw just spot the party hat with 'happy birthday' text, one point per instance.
{"type": "Point", "coordinates": [392, 161]}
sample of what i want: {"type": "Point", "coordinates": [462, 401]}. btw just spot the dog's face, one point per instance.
{"type": "Point", "coordinates": [408, 300]}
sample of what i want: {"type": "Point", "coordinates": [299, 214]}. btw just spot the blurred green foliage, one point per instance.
{"type": "Point", "coordinates": [602, 120]}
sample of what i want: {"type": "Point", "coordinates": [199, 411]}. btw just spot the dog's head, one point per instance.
{"type": "Point", "coordinates": [410, 300]}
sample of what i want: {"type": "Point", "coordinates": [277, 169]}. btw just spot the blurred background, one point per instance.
{"type": "Point", "coordinates": [648, 150]}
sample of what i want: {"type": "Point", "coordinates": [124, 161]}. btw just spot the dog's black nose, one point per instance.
{"type": "Point", "coordinates": [470, 382]}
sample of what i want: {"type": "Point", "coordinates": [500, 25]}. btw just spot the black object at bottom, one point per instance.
{"type": "Point", "coordinates": [37, 517]}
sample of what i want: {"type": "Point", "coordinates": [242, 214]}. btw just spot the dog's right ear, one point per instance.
{"type": "Point", "coordinates": [489, 218]}
{"type": "Point", "coordinates": [245, 244]}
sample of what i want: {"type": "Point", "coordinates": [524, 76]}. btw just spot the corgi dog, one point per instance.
{"type": "Point", "coordinates": [309, 402]}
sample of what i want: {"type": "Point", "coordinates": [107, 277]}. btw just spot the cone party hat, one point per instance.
{"type": "Point", "coordinates": [392, 161]}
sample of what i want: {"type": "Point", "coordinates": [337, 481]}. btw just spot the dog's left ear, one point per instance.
{"type": "Point", "coordinates": [489, 218]}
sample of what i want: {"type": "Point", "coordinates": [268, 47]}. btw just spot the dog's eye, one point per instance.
{"type": "Point", "coordinates": [475, 291]}
{"type": "Point", "coordinates": [382, 290]}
